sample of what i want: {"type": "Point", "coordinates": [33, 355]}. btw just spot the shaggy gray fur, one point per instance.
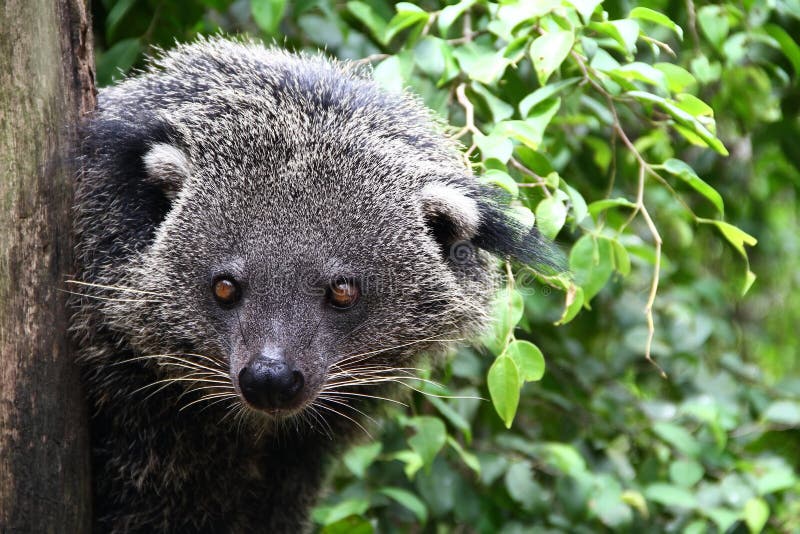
{"type": "Point", "coordinates": [284, 172]}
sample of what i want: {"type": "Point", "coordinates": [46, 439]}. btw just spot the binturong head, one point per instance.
{"type": "Point", "coordinates": [281, 227]}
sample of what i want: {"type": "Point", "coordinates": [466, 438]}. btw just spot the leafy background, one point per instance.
{"type": "Point", "coordinates": [656, 142]}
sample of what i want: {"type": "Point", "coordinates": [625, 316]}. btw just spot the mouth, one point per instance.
{"type": "Point", "coordinates": [275, 412]}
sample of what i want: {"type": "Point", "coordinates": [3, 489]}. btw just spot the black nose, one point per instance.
{"type": "Point", "coordinates": [270, 384]}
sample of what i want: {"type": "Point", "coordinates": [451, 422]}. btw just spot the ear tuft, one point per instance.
{"type": "Point", "coordinates": [504, 235]}
{"type": "Point", "coordinates": [167, 167]}
{"type": "Point", "coordinates": [450, 213]}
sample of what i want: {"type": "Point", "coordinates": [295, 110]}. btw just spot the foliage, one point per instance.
{"type": "Point", "coordinates": [655, 142]}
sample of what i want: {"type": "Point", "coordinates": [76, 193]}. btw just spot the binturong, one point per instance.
{"type": "Point", "coordinates": [264, 239]}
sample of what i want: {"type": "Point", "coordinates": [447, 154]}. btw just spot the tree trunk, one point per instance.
{"type": "Point", "coordinates": [46, 85]}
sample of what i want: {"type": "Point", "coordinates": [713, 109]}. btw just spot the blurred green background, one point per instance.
{"type": "Point", "coordinates": [616, 126]}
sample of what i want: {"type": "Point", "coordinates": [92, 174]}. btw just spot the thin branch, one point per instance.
{"type": "Point", "coordinates": [469, 126]}
{"type": "Point", "coordinates": [524, 170]}
{"type": "Point", "coordinates": [692, 23]}
{"type": "Point", "coordinates": [644, 169]}
{"type": "Point", "coordinates": [371, 59]}
{"type": "Point", "coordinates": [663, 46]}
{"type": "Point", "coordinates": [466, 38]}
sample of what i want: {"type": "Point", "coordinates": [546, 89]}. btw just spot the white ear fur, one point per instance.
{"type": "Point", "coordinates": [167, 167]}
{"type": "Point", "coordinates": [440, 199]}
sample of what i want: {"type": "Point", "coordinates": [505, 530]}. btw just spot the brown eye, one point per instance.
{"type": "Point", "coordinates": [226, 291]}
{"type": "Point", "coordinates": [343, 293]}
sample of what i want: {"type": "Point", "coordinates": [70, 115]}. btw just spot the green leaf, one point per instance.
{"type": "Point", "coordinates": [502, 29]}
{"type": "Point", "coordinates": [408, 7]}
{"type": "Point", "coordinates": [349, 525]}
{"type": "Point", "coordinates": [738, 239]}
{"type": "Point", "coordinates": [502, 180]}
{"type": "Point", "coordinates": [723, 518]}
{"type": "Point", "coordinates": [585, 7]}
{"type": "Point", "coordinates": [393, 72]}
{"type": "Point", "coordinates": [607, 503]}
{"type": "Point", "coordinates": [622, 260]}
{"type": "Point", "coordinates": [683, 171]}
{"type": "Point", "coordinates": [529, 359]}
{"type": "Point", "coordinates": [644, 13]}
{"type": "Point", "coordinates": [543, 93]}
{"type": "Point", "coordinates": [367, 15]}
{"type": "Point", "coordinates": [267, 14]}
{"type": "Point", "coordinates": [407, 15]}
{"type": "Point", "coordinates": [678, 437]}
{"type": "Point", "coordinates": [455, 418]}
{"type": "Point", "coordinates": [749, 280]}
{"type": "Point", "coordinates": [705, 71]}
{"type": "Point", "coordinates": [696, 527]}
{"type": "Point", "coordinates": [735, 236]}
{"type": "Point", "coordinates": [115, 16]}
{"type": "Point", "coordinates": [685, 120]}
{"type": "Point", "coordinates": [783, 412]}
{"type": "Point", "coordinates": [429, 56]}
{"type": "Point", "coordinates": [493, 465]}
{"type": "Point", "coordinates": [788, 45]}
{"type": "Point", "coordinates": [523, 215]}
{"type": "Point", "coordinates": [679, 80]}
{"type": "Point", "coordinates": [641, 72]}
{"type": "Point", "coordinates": [551, 214]}
{"type": "Point", "coordinates": [685, 473]}
{"type": "Point", "coordinates": [429, 438]}
{"type": "Point", "coordinates": [494, 146]}
{"type": "Point", "coordinates": [520, 484]}
{"type": "Point", "coordinates": [481, 64]}
{"type": "Point", "coordinates": [500, 110]}
{"type": "Point", "coordinates": [549, 51]}
{"type": "Point", "coordinates": [504, 384]}
{"type": "Point", "coordinates": [628, 31]}
{"type": "Point", "coordinates": [467, 457]}
{"type": "Point", "coordinates": [327, 515]}
{"type": "Point", "coordinates": [515, 13]}
{"type": "Point", "coordinates": [670, 495]}
{"type": "Point", "coordinates": [574, 303]}
{"type": "Point", "coordinates": [449, 14]}
{"type": "Point", "coordinates": [507, 311]}
{"type": "Point", "coordinates": [413, 461]}
{"type": "Point", "coordinates": [565, 458]}
{"type": "Point", "coordinates": [516, 48]}
{"type": "Point", "coordinates": [635, 500]}
{"type": "Point", "coordinates": [530, 131]}
{"type": "Point", "coordinates": [591, 262]}
{"type": "Point", "coordinates": [599, 206]}
{"type": "Point", "coordinates": [774, 477]}
{"type": "Point", "coordinates": [623, 32]}
{"type": "Point", "coordinates": [117, 60]}
{"type": "Point", "coordinates": [358, 459]}
{"type": "Point", "coordinates": [756, 513]}
{"type": "Point", "coordinates": [697, 109]}
{"type": "Point", "coordinates": [577, 204]}
{"type": "Point", "coordinates": [409, 500]}
{"type": "Point", "coordinates": [714, 23]}
{"type": "Point", "coordinates": [534, 160]}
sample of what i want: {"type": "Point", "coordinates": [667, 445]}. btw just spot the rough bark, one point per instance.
{"type": "Point", "coordinates": [46, 85]}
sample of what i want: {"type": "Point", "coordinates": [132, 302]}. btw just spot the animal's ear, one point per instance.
{"type": "Point", "coordinates": [451, 214]}
{"type": "Point", "coordinates": [124, 159]}
{"type": "Point", "coordinates": [167, 168]}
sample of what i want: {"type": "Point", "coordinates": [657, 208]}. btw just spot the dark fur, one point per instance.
{"type": "Point", "coordinates": [302, 170]}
